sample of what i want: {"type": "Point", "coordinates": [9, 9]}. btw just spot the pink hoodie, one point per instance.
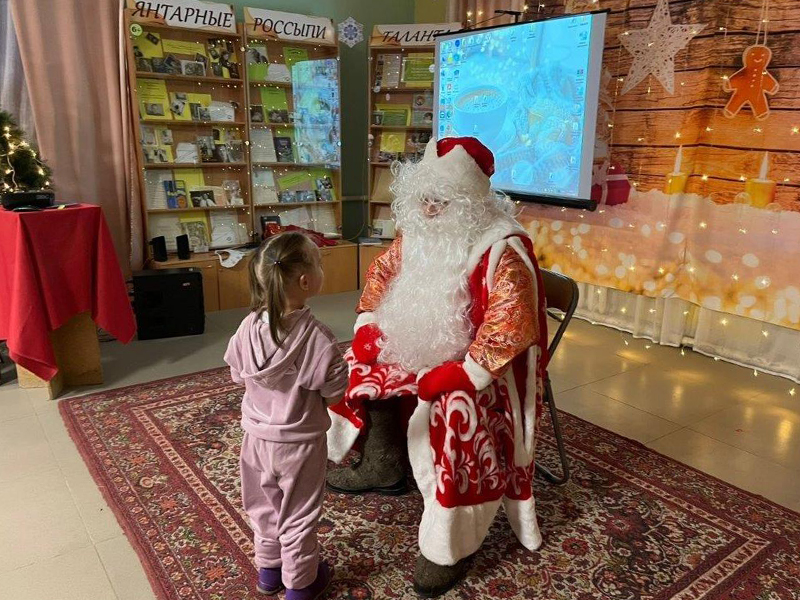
{"type": "Point", "coordinates": [285, 386]}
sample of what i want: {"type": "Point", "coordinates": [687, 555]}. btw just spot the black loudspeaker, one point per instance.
{"type": "Point", "coordinates": [159, 245]}
{"type": "Point", "coordinates": [168, 303]}
{"type": "Point", "coordinates": [40, 199]}
{"type": "Point", "coordinates": [183, 247]}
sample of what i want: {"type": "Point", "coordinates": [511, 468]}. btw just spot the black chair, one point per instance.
{"type": "Point", "coordinates": [561, 294]}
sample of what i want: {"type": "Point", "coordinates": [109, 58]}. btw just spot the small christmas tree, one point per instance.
{"type": "Point", "coordinates": [20, 166]}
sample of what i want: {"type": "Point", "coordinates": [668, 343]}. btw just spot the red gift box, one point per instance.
{"type": "Point", "coordinates": [610, 184]}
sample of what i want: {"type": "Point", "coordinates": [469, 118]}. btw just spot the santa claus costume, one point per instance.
{"type": "Point", "coordinates": [452, 314]}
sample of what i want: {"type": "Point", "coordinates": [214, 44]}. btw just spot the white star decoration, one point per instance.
{"type": "Point", "coordinates": [654, 48]}
{"type": "Point", "coordinates": [351, 32]}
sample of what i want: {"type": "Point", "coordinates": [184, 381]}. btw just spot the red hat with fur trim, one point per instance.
{"type": "Point", "coordinates": [463, 162]}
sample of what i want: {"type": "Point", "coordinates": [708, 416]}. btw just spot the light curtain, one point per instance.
{"type": "Point", "coordinates": [13, 90]}
{"type": "Point", "coordinates": [73, 59]}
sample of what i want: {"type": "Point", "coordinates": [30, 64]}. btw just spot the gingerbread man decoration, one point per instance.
{"type": "Point", "coordinates": [751, 84]}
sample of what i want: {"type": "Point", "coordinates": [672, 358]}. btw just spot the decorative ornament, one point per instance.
{"type": "Point", "coordinates": [751, 84]}
{"type": "Point", "coordinates": [351, 32]}
{"type": "Point", "coordinates": [654, 48]}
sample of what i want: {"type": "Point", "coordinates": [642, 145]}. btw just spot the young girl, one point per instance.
{"type": "Point", "coordinates": [291, 367]}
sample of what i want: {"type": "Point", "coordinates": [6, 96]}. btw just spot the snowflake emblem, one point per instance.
{"type": "Point", "coordinates": [351, 32]}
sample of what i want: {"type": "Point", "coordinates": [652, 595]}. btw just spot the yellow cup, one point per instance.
{"type": "Point", "coordinates": [761, 192]}
{"type": "Point", "coordinates": [676, 183]}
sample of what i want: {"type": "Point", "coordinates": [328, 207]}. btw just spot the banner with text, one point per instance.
{"type": "Point", "coordinates": [414, 34]}
{"type": "Point", "coordinates": [189, 14]}
{"type": "Point", "coordinates": [277, 25]}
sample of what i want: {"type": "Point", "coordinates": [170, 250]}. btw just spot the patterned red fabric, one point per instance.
{"type": "Point", "coordinates": [54, 265]}
{"type": "Point", "coordinates": [471, 434]}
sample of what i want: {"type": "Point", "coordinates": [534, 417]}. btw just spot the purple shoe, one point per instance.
{"type": "Point", "coordinates": [316, 589]}
{"type": "Point", "coordinates": [269, 581]}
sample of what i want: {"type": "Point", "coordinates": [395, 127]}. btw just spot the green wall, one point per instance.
{"type": "Point", "coordinates": [430, 11]}
{"type": "Point", "coordinates": [354, 84]}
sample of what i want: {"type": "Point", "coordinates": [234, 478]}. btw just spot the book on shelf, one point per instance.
{"type": "Point", "coordinates": [422, 109]}
{"type": "Point", "coordinates": [222, 58]}
{"type": "Point", "coordinates": [279, 73]}
{"type": "Point", "coordinates": [264, 186]}
{"type": "Point", "coordinates": [155, 190]}
{"type": "Point", "coordinates": [417, 70]}
{"type": "Point", "coordinates": [293, 55]}
{"type": "Point", "coordinates": [148, 46]}
{"type": "Point", "coordinates": [262, 146]}
{"type": "Point", "coordinates": [176, 194]}
{"type": "Point", "coordinates": [395, 115]}
{"type": "Point", "coordinates": [186, 153]}
{"type": "Point", "coordinates": [387, 70]}
{"type": "Point", "coordinates": [196, 227]}
{"type": "Point", "coordinates": [233, 192]}
{"type": "Point", "coordinates": [257, 62]}
{"type": "Point", "coordinates": [153, 100]}
{"type": "Point", "coordinates": [257, 113]}
{"type": "Point", "coordinates": [226, 230]}
{"type": "Point", "coordinates": [275, 105]}
{"type": "Point", "coordinates": [221, 111]}
{"type": "Point", "coordinates": [202, 198]}
{"type": "Point", "coordinates": [284, 148]}
{"type": "Point", "coordinates": [193, 68]}
{"type": "Point", "coordinates": [205, 143]}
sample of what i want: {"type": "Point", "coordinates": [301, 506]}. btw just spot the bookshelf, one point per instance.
{"type": "Point", "coordinates": [188, 98]}
{"type": "Point", "coordinates": [294, 126]}
{"type": "Point", "coordinates": [400, 101]}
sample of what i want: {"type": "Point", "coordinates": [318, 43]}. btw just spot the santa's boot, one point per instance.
{"type": "Point", "coordinates": [382, 468]}
{"type": "Point", "coordinates": [432, 580]}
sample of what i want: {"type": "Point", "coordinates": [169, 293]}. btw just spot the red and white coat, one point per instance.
{"type": "Point", "coordinates": [470, 449]}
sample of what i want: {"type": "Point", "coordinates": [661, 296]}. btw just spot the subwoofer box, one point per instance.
{"type": "Point", "coordinates": [168, 303]}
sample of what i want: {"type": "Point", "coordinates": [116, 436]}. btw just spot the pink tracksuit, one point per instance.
{"type": "Point", "coordinates": [284, 452]}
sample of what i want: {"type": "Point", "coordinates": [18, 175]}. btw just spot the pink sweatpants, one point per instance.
{"type": "Point", "coordinates": [282, 489]}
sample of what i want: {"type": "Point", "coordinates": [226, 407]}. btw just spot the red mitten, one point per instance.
{"type": "Point", "coordinates": [449, 377]}
{"type": "Point", "coordinates": [365, 344]}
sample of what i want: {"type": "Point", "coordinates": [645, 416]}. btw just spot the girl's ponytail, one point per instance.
{"type": "Point", "coordinates": [277, 261]}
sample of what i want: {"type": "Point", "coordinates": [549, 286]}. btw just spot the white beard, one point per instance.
{"type": "Point", "coordinates": [424, 314]}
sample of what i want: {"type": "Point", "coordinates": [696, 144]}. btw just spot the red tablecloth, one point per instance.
{"type": "Point", "coordinates": [55, 264]}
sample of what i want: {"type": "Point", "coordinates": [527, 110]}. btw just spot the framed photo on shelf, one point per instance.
{"type": "Point", "coordinates": [193, 68]}
{"type": "Point", "coordinates": [202, 198]}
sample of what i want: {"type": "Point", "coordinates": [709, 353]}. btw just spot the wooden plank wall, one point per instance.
{"type": "Point", "coordinates": [649, 124]}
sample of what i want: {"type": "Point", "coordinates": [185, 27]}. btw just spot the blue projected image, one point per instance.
{"type": "Point", "coordinates": [529, 92]}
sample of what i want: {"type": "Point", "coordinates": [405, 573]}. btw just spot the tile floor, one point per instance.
{"type": "Point", "coordinates": [59, 539]}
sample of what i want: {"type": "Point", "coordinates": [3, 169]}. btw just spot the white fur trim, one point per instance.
{"type": "Point", "coordinates": [502, 228]}
{"type": "Point", "coordinates": [522, 518]}
{"type": "Point", "coordinates": [480, 377]}
{"type": "Point", "coordinates": [364, 318]}
{"type": "Point", "coordinates": [495, 254]}
{"type": "Point", "coordinates": [341, 437]}
{"type": "Point", "coordinates": [446, 535]}
{"type": "Point", "coordinates": [529, 402]}
{"type": "Point", "coordinates": [522, 458]}
{"type": "Point", "coordinates": [517, 245]}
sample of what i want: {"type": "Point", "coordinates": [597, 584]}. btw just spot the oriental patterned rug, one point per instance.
{"type": "Point", "coordinates": [630, 524]}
